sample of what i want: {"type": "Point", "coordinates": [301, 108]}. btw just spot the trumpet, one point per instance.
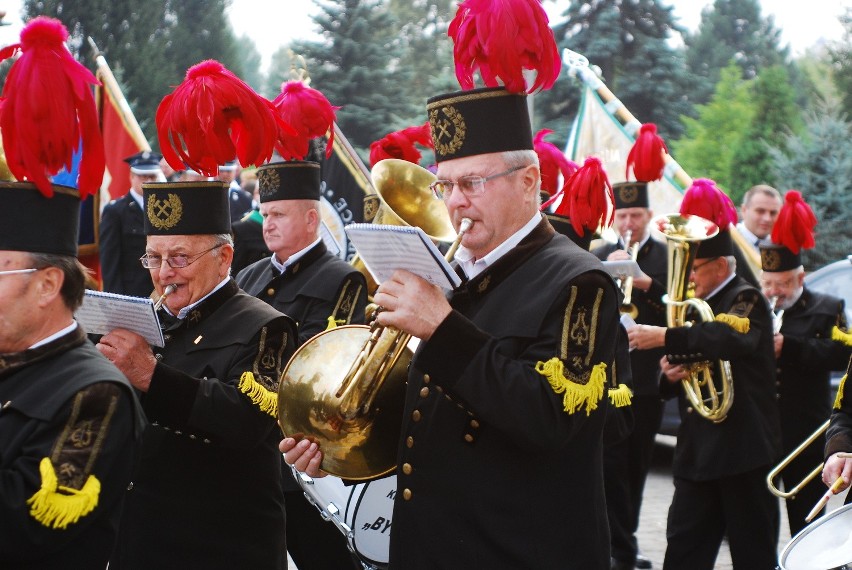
{"type": "Point", "coordinates": [626, 284]}
{"type": "Point", "coordinates": [345, 389]}
{"type": "Point", "coordinates": [170, 288]}
{"type": "Point", "coordinates": [777, 317]}
{"type": "Point", "coordinates": [770, 478]}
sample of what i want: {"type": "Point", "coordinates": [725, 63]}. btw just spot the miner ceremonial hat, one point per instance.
{"type": "Point", "coordinates": [704, 199]}
{"type": "Point", "coordinates": [292, 180]}
{"type": "Point", "coordinates": [31, 222]}
{"type": "Point", "coordinates": [479, 121]}
{"type": "Point", "coordinates": [144, 163]}
{"type": "Point", "coordinates": [793, 231]}
{"type": "Point", "coordinates": [630, 195]}
{"type": "Point", "coordinates": [186, 208]}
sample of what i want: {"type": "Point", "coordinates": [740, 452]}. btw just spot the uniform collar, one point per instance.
{"type": "Point", "coordinates": [197, 312]}
{"type": "Point", "coordinates": [299, 260]}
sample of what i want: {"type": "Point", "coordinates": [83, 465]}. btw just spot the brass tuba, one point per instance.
{"type": "Point", "coordinates": [683, 235]}
{"type": "Point", "coordinates": [404, 199]}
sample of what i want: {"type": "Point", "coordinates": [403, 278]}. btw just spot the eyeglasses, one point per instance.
{"type": "Point", "coordinates": [695, 268]}
{"type": "Point", "coordinates": [469, 185]}
{"type": "Point", "coordinates": [17, 271]}
{"type": "Point", "coordinates": [178, 261]}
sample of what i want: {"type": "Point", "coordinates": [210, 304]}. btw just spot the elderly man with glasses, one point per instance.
{"type": "Point", "coordinates": [206, 490]}
{"type": "Point", "coordinates": [500, 461]}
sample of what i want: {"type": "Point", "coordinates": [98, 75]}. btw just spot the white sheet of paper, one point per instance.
{"type": "Point", "coordinates": [103, 312]}
{"type": "Point", "coordinates": [384, 249]}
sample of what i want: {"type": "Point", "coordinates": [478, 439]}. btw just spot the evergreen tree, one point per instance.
{"type": "Point", "coordinates": [707, 148]}
{"type": "Point", "coordinates": [818, 163]}
{"type": "Point", "coordinates": [132, 35]}
{"type": "Point", "coordinates": [284, 66]}
{"type": "Point", "coordinates": [251, 63]}
{"type": "Point", "coordinates": [841, 60]}
{"type": "Point", "coordinates": [731, 30]}
{"type": "Point", "coordinates": [775, 113]}
{"type": "Point", "coordinates": [357, 66]}
{"type": "Point", "coordinates": [628, 42]}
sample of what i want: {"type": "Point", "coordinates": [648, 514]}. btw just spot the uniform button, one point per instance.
{"type": "Point", "coordinates": [439, 389]}
{"type": "Point", "coordinates": [468, 438]}
{"type": "Point", "coordinates": [270, 291]}
{"type": "Point", "coordinates": [409, 442]}
{"type": "Point", "coordinates": [130, 486]}
{"type": "Point", "coordinates": [158, 356]}
{"type": "Point", "coordinates": [689, 410]}
{"type": "Point", "coordinates": [406, 494]}
{"type": "Point", "coordinates": [206, 440]}
{"type": "Point", "coordinates": [424, 391]}
{"type": "Point", "coordinates": [426, 379]}
{"type": "Point", "coordinates": [167, 336]}
{"type": "Point", "coordinates": [406, 468]}
{"type": "Point", "coordinates": [415, 415]}
{"type": "Point", "coordinates": [474, 424]}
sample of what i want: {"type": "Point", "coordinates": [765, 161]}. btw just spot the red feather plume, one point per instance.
{"type": "Point", "coordinates": [400, 144]}
{"type": "Point", "coordinates": [706, 200]}
{"type": "Point", "coordinates": [587, 198]}
{"type": "Point", "coordinates": [214, 116]}
{"type": "Point", "coordinates": [552, 163]}
{"type": "Point", "coordinates": [309, 112]}
{"type": "Point", "coordinates": [794, 228]}
{"type": "Point", "coordinates": [646, 155]}
{"type": "Point", "coordinates": [48, 110]}
{"type": "Point", "coordinates": [501, 38]}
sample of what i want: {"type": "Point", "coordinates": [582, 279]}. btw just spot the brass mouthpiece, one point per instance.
{"type": "Point", "coordinates": [170, 288]}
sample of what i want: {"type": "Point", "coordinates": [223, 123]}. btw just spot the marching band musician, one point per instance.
{"type": "Point", "coordinates": [838, 446]}
{"type": "Point", "coordinates": [305, 281]}
{"type": "Point", "coordinates": [720, 468]}
{"type": "Point", "coordinates": [206, 490]}
{"type": "Point", "coordinates": [804, 350]}
{"type": "Point", "coordinates": [626, 463]}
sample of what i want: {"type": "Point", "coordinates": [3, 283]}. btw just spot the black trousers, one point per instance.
{"type": "Point", "coordinates": [702, 512]}
{"type": "Point", "coordinates": [626, 466]}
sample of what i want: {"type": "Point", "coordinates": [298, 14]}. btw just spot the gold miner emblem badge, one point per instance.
{"type": "Point", "coordinates": [448, 129]}
{"type": "Point", "coordinates": [164, 214]}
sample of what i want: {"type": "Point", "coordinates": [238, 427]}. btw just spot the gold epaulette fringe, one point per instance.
{"type": "Point", "coordinates": [840, 336]}
{"type": "Point", "coordinates": [56, 506]}
{"type": "Point", "coordinates": [739, 324]}
{"type": "Point", "coordinates": [621, 396]}
{"type": "Point", "coordinates": [575, 395]}
{"type": "Point", "coordinates": [838, 400]}
{"type": "Point", "coordinates": [334, 323]}
{"type": "Point", "coordinates": [264, 399]}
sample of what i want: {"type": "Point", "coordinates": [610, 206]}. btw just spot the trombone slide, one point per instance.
{"type": "Point", "coordinates": [770, 478]}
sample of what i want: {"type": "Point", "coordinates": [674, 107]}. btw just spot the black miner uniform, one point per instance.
{"type": "Point", "coordinates": [121, 244]}
{"type": "Point", "coordinates": [723, 465]}
{"type": "Point", "coordinates": [462, 416]}
{"type": "Point", "coordinates": [808, 355]}
{"type": "Point", "coordinates": [838, 437]}
{"type": "Point", "coordinates": [626, 463]}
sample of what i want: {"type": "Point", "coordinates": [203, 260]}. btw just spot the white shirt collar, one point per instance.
{"type": "Point", "coordinates": [136, 197]}
{"type": "Point", "coordinates": [644, 239]}
{"type": "Point", "coordinates": [751, 238]}
{"type": "Point", "coordinates": [56, 335]}
{"type": "Point", "coordinates": [293, 258]}
{"type": "Point", "coordinates": [183, 312]}
{"type": "Point", "coordinates": [720, 287]}
{"type": "Point", "coordinates": [473, 267]}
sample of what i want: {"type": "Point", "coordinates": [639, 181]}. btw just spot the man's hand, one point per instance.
{"type": "Point", "coordinates": [411, 304]}
{"type": "Point", "coordinates": [131, 354]}
{"type": "Point", "coordinates": [643, 337]}
{"type": "Point", "coordinates": [835, 467]}
{"type": "Point", "coordinates": [779, 344]}
{"type": "Point", "coordinates": [303, 455]}
{"type": "Point", "coordinates": [673, 372]}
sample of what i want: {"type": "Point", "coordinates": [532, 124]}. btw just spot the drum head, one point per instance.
{"type": "Point", "coordinates": [825, 544]}
{"type": "Point", "coordinates": [371, 520]}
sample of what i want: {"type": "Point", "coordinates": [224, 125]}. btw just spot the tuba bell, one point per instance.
{"type": "Point", "coordinates": [683, 234]}
{"type": "Point", "coordinates": [404, 199]}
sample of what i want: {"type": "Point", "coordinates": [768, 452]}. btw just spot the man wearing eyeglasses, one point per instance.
{"type": "Point", "coordinates": [720, 467]}
{"type": "Point", "coordinates": [501, 446]}
{"type": "Point", "coordinates": [206, 490]}
{"type": "Point", "coordinates": [69, 420]}
{"type": "Point", "coordinates": [805, 355]}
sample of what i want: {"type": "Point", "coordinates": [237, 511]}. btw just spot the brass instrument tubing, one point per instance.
{"type": "Point", "coordinates": [170, 288]}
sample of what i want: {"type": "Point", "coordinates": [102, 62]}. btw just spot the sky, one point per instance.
{"type": "Point", "coordinates": [273, 23]}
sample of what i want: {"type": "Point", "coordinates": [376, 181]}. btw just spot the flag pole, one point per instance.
{"type": "Point", "coordinates": [108, 79]}
{"type": "Point", "coordinates": [578, 65]}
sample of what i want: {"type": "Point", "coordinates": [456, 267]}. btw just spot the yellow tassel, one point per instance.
{"type": "Point", "coordinates": [621, 396]}
{"type": "Point", "coordinates": [264, 399]}
{"type": "Point", "coordinates": [739, 324]}
{"type": "Point", "coordinates": [838, 400]}
{"type": "Point", "coordinates": [333, 324]}
{"type": "Point", "coordinates": [576, 395]}
{"type": "Point", "coordinates": [56, 506]}
{"type": "Point", "coordinates": [840, 336]}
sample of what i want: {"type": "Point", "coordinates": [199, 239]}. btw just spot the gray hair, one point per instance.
{"type": "Point", "coordinates": [74, 272]}
{"type": "Point", "coordinates": [516, 158]}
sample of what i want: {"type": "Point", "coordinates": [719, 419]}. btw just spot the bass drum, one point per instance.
{"type": "Point", "coordinates": [825, 544]}
{"type": "Point", "coordinates": [362, 512]}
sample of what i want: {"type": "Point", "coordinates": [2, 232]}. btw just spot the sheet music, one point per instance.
{"type": "Point", "coordinates": [384, 249]}
{"type": "Point", "coordinates": [328, 238]}
{"type": "Point", "coordinates": [102, 312]}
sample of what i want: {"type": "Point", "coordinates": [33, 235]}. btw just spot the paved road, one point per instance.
{"type": "Point", "coordinates": [656, 500]}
